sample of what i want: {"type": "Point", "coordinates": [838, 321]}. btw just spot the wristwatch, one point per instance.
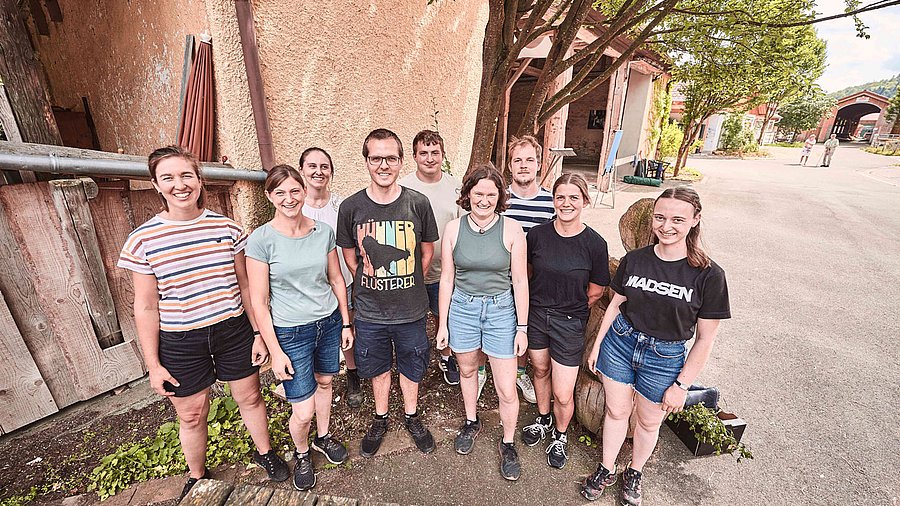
{"type": "Point", "coordinates": [256, 333]}
{"type": "Point", "coordinates": [347, 326]}
{"type": "Point", "coordinates": [682, 385]}
{"type": "Point", "coordinates": [523, 328]}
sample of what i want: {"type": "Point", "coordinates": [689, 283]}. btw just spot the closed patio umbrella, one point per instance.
{"type": "Point", "coordinates": [196, 123]}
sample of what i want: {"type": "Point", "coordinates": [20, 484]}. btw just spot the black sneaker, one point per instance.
{"type": "Point", "coordinates": [275, 467]}
{"type": "Point", "coordinates": [630, 495]}
{"type": "Point", "coordinates": [450, 370]}
{"type": "Point", "coordinates": [373, 438]}
{"type": "Point", "coordinates": [536, 432]}
{"type": "Point", "coordinates": [193, 481]}
{"type": "Point", "coordinates": [465, 440]}
{"type": "Point", "coordinates": [354, 394]}
{"type": "Point", "coordinates": [421, 435]}
{"type": "Point", "coordinates": [334, 451]}
{"type": "Point", "coordinates": [595, 484]}
{"type": "Point", "coordinates": [509, 461]}
{"type": "Point", "coordinates": [556, 450]}
{"type": "Point", "coordinates": [304, 474]}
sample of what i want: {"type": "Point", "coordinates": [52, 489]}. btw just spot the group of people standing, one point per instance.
{"type": "Point", "coordinates": [504, 269]}
{"type": "Point", "coordinates": [830, 146]}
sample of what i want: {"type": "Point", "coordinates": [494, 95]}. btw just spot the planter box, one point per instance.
{"type": "Point", "coordinates": [682, 429]}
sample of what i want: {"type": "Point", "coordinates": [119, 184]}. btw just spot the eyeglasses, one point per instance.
{"type": "Point", "coordinates": [375, 161]}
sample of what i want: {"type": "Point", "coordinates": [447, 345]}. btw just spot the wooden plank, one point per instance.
{"type": "Point", "coordinates": [249, 495]}
{"type": "Point", "coordinates": [208, 493]}
{"type": "Point", "coordinates": [71, 204]}
{"type": "Point", "coordinates": [144, 204]}
{"type": "Point", "coordinates": [61, 295]}
{"type": "Point", "coordinates": [53, 10]}
{"type": "Point", "coordinates": [364, 502]}
{"type": "Point", "coordinates": [37, 15]}
{"type": "Point", "coordinates": [23, 392]}
{"type": "Point", "coordinates": [17, 286]}
{"type": "Point", "coordinates": [327, 500]}
{"type": "Point", "coordinates": [285, 497]}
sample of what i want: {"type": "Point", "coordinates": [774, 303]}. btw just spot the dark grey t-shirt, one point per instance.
{"type": "Point", "coordinates": [389, 284]}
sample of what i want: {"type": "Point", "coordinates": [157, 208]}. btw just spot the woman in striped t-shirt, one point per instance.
{"type": "Point", "coordinates": [189, 274]}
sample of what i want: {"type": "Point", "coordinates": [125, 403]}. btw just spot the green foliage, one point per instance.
{"type": "Point", "coordinates": [161, 455]}
{"type": "Point", "coordinates": [669, 140]}
{"type": "Point", "coordinates": [893, 110]}
{"type": "Point", "coordinates": [587, 440]}
{"type": "Point", "coordinates": [23, 499]}
{"type": "Point", "coordinates": [445, 165]}
{"type": "Point", "coordinates": [887, 87]}
{"type": "Point", "coordinates": [805, 111]}
{"type": "Point", "coordinates": [787, 144]}
{"type": "Point", "coordinates": [708, 428]}
{"type": "Point", "coordinates": [659, 113]}
{"type": "Point", "coordinates": [736, 138]}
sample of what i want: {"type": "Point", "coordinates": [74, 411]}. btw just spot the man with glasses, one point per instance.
{"type": "Point", "coordinates": [387, 234]}
{"type": "Point", "coordinates": [442, 191]}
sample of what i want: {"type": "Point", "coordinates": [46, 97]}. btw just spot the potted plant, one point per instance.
{"type": "Point", "coordinates": [706, 431]}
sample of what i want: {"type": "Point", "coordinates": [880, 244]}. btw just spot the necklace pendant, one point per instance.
{"type": "Point", "coordinates": [481, 231]}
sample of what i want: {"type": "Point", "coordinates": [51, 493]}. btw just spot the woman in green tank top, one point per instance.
{"type": "Point", "coordinates": [483, 255]}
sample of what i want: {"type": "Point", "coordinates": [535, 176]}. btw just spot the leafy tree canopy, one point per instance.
{"type": "Point", "coordinates": [805, 111]}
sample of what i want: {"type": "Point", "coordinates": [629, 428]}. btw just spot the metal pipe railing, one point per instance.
{"type": "Point", "coordinates": [55, 164]}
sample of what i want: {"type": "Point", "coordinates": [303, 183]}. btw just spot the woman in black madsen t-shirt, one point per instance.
{"type": "Point", "coordinates": [662, 294]}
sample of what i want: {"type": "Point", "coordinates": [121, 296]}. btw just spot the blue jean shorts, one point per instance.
{"type": "Point", "coordinates": [434, 291]}
{"type": "Point", "coordinates": [483, 322]}
{"type": "Point", "coordinates": [376, 344]}
{"type": "Point", "coordinates": [648, 364]}
{"type": "Point", "coordinates": [314, 348]}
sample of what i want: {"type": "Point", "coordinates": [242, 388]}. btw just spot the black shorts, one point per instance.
{"type": "Point", "coordinates": [376, 344]}
{"type": "Point", "coordinates": [563, 334]}
{"type": "Point", "coordinates": [196, 358]}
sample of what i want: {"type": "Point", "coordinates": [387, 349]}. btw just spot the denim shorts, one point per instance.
{"type": "Point", "coordinates": [376, 344]}
{"type": "Point", "coordinates": [196, 358]}
{"type": "Point", "coordinates": [483, 322]}
{"type": "Point", "coordinates": [314, 348]}
{"type": "Point", "coordinates": [434, 291]}
{"type": "Point", "coordinates": [648, 364]}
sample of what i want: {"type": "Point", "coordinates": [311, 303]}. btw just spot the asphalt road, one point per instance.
{"type": "Point", "coordinates": [809, 360]}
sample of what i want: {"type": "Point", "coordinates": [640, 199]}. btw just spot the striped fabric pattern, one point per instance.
{"type": "Point", "coordinates": [193, 262]}
{"type": "Point", "coordinates": [530, 212]}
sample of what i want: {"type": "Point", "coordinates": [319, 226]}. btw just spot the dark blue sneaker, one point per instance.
{"type": "Point", "coordinates": [450, 370]}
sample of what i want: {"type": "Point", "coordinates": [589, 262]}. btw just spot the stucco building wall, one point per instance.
{"type": "Point", "coordinates": [333, 74]}
{"type": "Point", "coordinates": [126, 57]}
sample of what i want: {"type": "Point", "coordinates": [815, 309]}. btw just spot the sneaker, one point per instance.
{"type": "Point", "coordinates": [354, 394]}
{"type": "Point", "coordinates": [304, 474]}
{"type": "Point", "coordinates": [275, 467]}
{"type": "Point", "coordinates": [556, 450]}
{"type": "Point", "coordinates": [450, 370]}
{"type": "Point", "coordinates": [482, 379]}
{"type": "Point", "coordinates": [373, 438]}
{"type": "Point", "coordinates": [465, 440]}
{"type": "Point", "coordinates": [595, 484]}
{"type": "Point", "coordinates": [193, 481]}
{"type": "Point", "coordinates": [630, 495]}
{"type": "Point", "coordinates": [421, 435]}
{"type": "Point", "coordinates": [334, 451]}
{"type": "Point", "coordinates": [523, 381]}
{"type": "Point", "coordinates": [509, 461]}
{"type": "Point", "coordinates": [536, 432]}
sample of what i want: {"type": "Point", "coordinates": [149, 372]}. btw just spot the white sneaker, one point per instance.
{"type": "Point", "coordinates": [482, 379]}
{"type": "Point", "coordinates": [523, 381]}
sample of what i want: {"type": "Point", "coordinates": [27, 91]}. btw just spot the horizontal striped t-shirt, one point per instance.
{"type": "Point", "coordinates": [193, 262]}
{"type": "Point", "coordinates": [530, 212]}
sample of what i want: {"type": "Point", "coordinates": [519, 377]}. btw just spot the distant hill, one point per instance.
{"type": "Point", "coordinates": [886, 87]}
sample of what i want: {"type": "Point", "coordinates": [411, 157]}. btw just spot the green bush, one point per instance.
{"type": "Point", "coordinates": [669, 140]}
{"type": "Point", "coordinates": [735, 137]}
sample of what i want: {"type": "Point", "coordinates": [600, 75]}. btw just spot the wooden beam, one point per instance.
{"type": "Point", "coordinates": [54, 10]}
{"type": "Point", "coordinates": [249, 495]}
{"type": "Point", "coordinates": [40, 20]}
{"type": "Point", "coordinates": [208, 493]}
{"type": "Point", "coordinates": [283, 497]}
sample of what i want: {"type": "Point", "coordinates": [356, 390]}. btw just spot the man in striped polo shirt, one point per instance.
{"type": "Point", "coordinates": [530, 205]}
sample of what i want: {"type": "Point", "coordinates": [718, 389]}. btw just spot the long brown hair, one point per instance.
{"type": "Point", "coordinates": [696, 257]}
{"type": "Point", "coordinates": [173, 151]}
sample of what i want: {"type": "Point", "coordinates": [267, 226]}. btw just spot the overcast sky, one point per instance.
{"type": "Point", "coordinates": [852, 60]}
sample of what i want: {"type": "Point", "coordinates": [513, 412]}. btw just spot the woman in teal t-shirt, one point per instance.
{"type": "Point", "coordinates": [301, 311]}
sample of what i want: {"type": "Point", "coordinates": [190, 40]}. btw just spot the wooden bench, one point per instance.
{"type": "Point", "coordinates": [220, 493]}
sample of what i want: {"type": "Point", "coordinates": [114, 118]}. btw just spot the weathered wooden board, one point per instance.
{"type": "Point", "coordinates": [17, 286]}
{"type": "Point", "coordinates": [327, 500]}
{"type": "Point", "coordinates": [78, 232]}
{"type": "Point", "coordinates": [23, 392]}
{"type": "Point", "coordinates": [208, 493]}
{"type": "Point", "coordinates": [284, 497]}
{"type": "Point", "coordinates": [144, 204]}
{"type": "Point", "coordinates": [249, 495]}
{"type": "Point", "coordinates": [61, 294]}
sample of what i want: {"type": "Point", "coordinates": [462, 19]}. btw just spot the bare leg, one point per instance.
{"type": "Point", "coordinates": [298, 424]}
{"type": "Point", "coordinates": [649, 417]}
{"type": "Point", "coordinates": [381, 388]}
{"type": "Point", "coordinates": [563, 394]}
{"type": "Point", "coordinates": [468, 380]}
{"type": "Point", "coordinates": [323, 402]}
{"type": "Point", "coordinates": [410, 390]}
{"type": "Point", "coordinates": [504, 373]}
{"type": "Point", "coordinates": [619, 399]}
{"type": "Point", "coordinates": [192, 431]}
{"type": "Point", "coordinates": [540, 363]}
{"type": "Point", "coordinates": [253, 410]}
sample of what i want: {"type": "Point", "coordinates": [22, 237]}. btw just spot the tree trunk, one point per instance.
{"type": "Point", "coordinates": [681, 158]}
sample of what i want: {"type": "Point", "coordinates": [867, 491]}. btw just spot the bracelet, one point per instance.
{"type": "Point", "coordinates": [256, 333]}
{"type": "Point", "coordinates": [347, 326]}
{"type": "Point", "coordinates": [523, 328]}
{"type": "Point", "coordinates": [682, 385]}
